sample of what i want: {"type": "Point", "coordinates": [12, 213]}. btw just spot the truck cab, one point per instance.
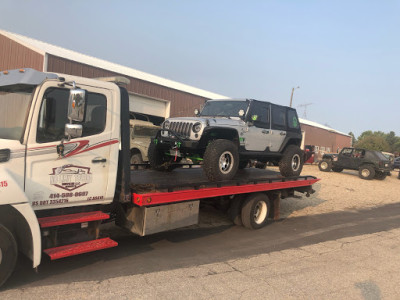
{"type": "Point", "coordinates": [59, 148]}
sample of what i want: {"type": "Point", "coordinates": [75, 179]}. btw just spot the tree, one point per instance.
{"type": "Point", "coordinates": [373, 142]}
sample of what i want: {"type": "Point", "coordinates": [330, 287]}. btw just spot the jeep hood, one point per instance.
{"type": "Point", "coordinates": [212, 121]}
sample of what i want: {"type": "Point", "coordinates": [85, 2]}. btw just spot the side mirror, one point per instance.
{"type": "Point", "coordinates": [76, 105]}
{"type": "Point", "coordinates": [196, 112]}
{"type": "Point", "coordinates": [73, 130]}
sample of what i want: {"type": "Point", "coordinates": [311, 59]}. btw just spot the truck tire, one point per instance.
{"type": "Point", "coordinates": [380, 175]}
{"type": "Point", "coordinates": [366, 172]}
{"type": "Point", "coordinates": [136, 158]}
{"type": "Point", "coordinates": [8, 254]}
{"type": "Point", "coordinates": [291, 162]}
{"type": "Point", "coordinates": [221, 160]}
{"type": "Point", "coordinates": [235, 210]}
{"type": "Point", "coordinates": [337, 169]}
{"type": "Point", "coordinates": [325, 165]}
{"type": "Point", "coordinates": [255, 211]}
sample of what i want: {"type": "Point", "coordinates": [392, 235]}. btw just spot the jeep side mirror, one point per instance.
{"type": "Point", "coordinates": [76, 105]}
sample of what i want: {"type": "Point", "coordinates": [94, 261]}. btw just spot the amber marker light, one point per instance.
{"type": "Point", "coordinates": [21, 70]}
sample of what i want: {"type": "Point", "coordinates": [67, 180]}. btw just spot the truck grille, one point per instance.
{"type": "Point", "coordinates": [182, 128]}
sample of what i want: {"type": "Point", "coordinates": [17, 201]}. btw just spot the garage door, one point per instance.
{"type": "Point", "coordinates": [149, 106]}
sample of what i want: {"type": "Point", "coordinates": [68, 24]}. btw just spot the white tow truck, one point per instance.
{"type": "Point", "coordinates": [65, 169]}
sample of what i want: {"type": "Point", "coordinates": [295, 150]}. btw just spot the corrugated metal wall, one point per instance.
{"type": "Point", "coordinates": [14, 56]}
{"type": "Point", "coordinates": [182, 104]}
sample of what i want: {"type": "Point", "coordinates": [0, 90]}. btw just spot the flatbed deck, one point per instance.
{"type": "Point", "coordinates": [155, 188]}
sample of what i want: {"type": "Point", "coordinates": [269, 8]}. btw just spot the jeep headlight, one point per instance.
{"type": "Point", "coordinates": [196, 127]}
{"type": "Point", "coordinates": [166, 125]}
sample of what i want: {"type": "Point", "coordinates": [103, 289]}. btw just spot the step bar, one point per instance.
{"type": "Point", "coordinates": [72, 219]}
{"type": "Point", "coordinates": [80, 248]}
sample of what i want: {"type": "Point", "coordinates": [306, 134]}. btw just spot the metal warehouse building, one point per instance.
{"type": "Point", "coordinates": [165, 95]}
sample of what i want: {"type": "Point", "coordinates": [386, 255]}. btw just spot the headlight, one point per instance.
{"type": "Point", "coordinates": [196, 127]}
{"type": "Point", "coordinates": [166, 125]}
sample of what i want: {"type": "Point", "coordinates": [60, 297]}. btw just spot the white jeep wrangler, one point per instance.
{"type": "Point", "coordinates": [227, 134]}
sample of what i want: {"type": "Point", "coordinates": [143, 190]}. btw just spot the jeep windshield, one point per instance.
{"type": "Point", "coordinates": [14, 102]}
{"type": "Point", "coordinates": [224, 108]}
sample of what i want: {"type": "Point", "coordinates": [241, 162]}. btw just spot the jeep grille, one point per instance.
{"type": "Point", "coordinates": [182, 128]}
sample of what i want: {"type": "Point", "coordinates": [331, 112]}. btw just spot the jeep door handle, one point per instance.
{"type": "Point", "coordinates": [265, 131]}
{"type": "Point", "coordinates": [99, 160]}
{"type": "Point", "coordinates": [283, 133]}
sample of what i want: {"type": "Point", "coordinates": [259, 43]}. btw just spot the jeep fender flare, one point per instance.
{"type": "Point", "coordinates": [20, 217]}
{"type": "Point", "coordinates": [289, 141]}
{"type": "Point", "coordinates": [218, 133]}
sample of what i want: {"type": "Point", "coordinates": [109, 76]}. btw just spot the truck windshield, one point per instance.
{"type": "Point", "coordinates": [14, 103]}
{"type": "Point", "coordinates": [224, 108]}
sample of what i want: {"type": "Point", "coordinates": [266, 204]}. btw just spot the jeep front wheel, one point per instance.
{"type": "Point", "coordinates": [156, 158]}
{"type": "Point", "coordinates": [325, 165]}
{"type": "Point", "coordinates": [366, 172]}
{"type": "Point", "coordinates": [291, 162]}
{"type": "Point", "coordinates": [221, 160]}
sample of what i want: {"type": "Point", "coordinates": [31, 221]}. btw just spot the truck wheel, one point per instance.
{"type": "Point", "coordinates": [366, 172]}
{"type": "Point", "coordinates": [337, 169]}
{"type": "Point", "coordinates": [380, 175]}
{"type": "Point", "coordinates": [255, 211]}
{"type": "Point", "coordinates": [221, 160]}
{"type": "Point", "coordinates": [136, 158]}
{"type": "Point", "coordinates": [8, 254]}
{"type": "Point", "coordinates": [292, 161]}
{"type": "Point", "coordinates": [325, 165]}
{"type": "Point", "coordinates": [235, 210]}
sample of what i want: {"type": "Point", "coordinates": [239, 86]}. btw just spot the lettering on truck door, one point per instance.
{"type": "Point", "coordinates": [80, 176]}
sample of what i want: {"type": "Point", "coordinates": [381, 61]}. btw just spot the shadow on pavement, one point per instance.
{"type": "Point", "coordinates": [197, 246]}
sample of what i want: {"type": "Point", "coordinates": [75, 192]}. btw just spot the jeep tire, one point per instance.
{"type": "Point", "coordinates": [136, 158]}
{"type": "Point", "coordinates": [221, 160]}
{"type": "Point", "coordinates": [291, 162]}
{"type": "Point", "coordinates": [156, 158]}
{"type": "Point", "coordinates": [380, 175]}
{"type": "Point", "coordinates": [325, 165]}
{"type": "Point", "coordinates": [8, 254]}
{"type": "Point", "coordinates": [366, 172]}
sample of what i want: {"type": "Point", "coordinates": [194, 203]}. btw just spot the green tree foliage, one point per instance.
{"type": "Point", "coordinates": [378, 140]}
{"type": "Point", "coordinates": [373, 142]}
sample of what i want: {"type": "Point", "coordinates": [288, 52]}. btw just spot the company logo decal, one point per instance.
{"type": "Point", "coordinates": [70, 177]}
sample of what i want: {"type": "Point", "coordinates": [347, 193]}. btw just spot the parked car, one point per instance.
{"type": "Point", "coordinates": [227, 134]}
{"type": "Point", "coordinates": [369, 163]}
{"type": "Point", "coordinates": [396, 163]}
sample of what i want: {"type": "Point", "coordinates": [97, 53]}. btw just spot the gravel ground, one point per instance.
{"type": "Point", "coordinates": [344, 191]}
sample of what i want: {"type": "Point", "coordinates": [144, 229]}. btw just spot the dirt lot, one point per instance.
{"type": "Point", "coordinates": [343, 191]}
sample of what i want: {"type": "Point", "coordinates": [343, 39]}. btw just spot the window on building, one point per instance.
{"type": "Point", "coordinates": [54, 110]}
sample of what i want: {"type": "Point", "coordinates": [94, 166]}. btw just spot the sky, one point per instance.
{"type": "Point", "coordinates": [344, 55]}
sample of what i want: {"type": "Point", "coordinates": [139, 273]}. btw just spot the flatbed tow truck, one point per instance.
{"type": "Point", "coordinates": [65, 170]}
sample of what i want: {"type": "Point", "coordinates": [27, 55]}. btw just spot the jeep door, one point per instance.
{"type": "Point", "coordinates": [345, 158]}
{"type": "Point", "coordinates": [278, 127]}
{"type": "Point", "coordinates": [258, 136]}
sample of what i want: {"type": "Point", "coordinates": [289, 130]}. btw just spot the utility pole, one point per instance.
{"type": "Point", "coordinates": [305, 109]}
{"type": "Point", "coordinates": [291, 96]}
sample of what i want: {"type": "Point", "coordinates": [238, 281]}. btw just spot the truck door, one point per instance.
{"type": "Point", "coordinates": [257, 138]}
{"type": "Point", "coordinates": [80, 175]}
